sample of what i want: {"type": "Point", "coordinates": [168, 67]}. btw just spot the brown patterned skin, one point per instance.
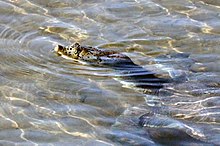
{"type": "Point", "coordinates": [89, 54]}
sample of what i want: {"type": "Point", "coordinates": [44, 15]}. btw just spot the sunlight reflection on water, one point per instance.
{"type": "Point", "coordinates": [46, 99]}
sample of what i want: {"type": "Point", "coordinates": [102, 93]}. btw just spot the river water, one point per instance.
{"type": "Point", "coordinates": [48, 100]}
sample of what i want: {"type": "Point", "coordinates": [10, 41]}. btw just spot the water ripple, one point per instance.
{"type": "Point", "coordinates": [47, 99]}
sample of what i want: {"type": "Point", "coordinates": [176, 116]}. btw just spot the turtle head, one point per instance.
{"type": "Point", "coordinates": [71, 51]}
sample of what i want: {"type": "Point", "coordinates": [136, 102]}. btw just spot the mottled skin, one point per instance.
{"type": "Point", "coordinates": [90, 54]}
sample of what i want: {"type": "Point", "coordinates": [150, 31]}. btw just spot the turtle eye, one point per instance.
{"type": "Point", "coordinates": [76, 45]}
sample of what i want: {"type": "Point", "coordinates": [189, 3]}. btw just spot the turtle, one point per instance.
{"type": "Point", "coordinates": [130, 73]}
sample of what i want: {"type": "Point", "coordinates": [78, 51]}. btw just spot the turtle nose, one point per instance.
{"type": "Point", "coordinates": [58, 48]}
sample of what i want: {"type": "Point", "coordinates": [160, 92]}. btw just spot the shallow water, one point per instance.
{"type": "Point", "coordinates": [47, 100]}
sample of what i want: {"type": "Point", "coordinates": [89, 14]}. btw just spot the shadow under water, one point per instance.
{"type": "Point", "coordinates": [48, 100]}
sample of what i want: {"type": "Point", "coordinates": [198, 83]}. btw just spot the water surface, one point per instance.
{"type": "Point", "coordinates": [47, 100]}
